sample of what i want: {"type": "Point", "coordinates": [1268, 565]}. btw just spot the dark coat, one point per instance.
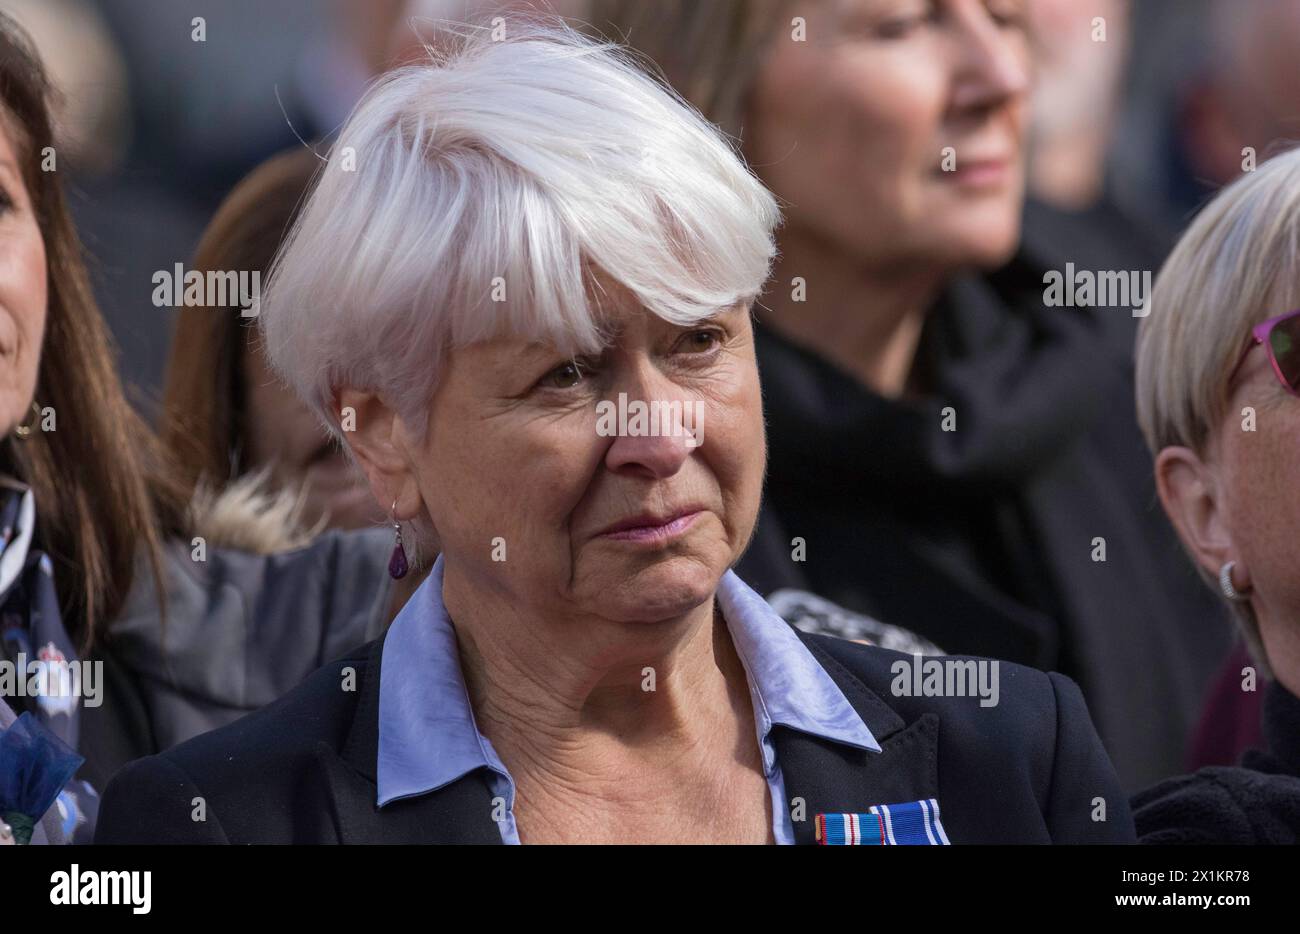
{"type": "Point", "coordinates": [1259, 802]}
{"type": "Point", "coordinates": [982, 539]}
{"type": "Point", "coordinates": [1028, 770]}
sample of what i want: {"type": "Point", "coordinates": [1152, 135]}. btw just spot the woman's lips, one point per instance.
{"type": "Point", "coordinates": [981, 173]}
{"type": "Point", "coordinates": [655, 532]}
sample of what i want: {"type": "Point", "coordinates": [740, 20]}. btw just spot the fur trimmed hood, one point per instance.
{"type": "Point", "coordinates": [251, 515]}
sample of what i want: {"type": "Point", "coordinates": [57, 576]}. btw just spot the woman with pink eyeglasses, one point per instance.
{"type": "Point", "coordinates": [1218, 394]}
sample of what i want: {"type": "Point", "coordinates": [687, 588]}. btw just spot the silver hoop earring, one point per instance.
{"type": "Point", "coordinates": [1225, 584]}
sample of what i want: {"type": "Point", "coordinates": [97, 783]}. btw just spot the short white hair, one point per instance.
{"type": "Point", "coordinates": [526, 166]}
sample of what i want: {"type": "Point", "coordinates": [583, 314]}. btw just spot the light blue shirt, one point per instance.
{"type": "Point", "coordinates": [428, 737]}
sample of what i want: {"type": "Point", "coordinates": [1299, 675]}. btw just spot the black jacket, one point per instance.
{"type": "Point", "coordinates": [1254, 804]}
{"type": "Point", "coordinates": [1028, 770]}
{"type": "Point", "coordinates": [982, 539]}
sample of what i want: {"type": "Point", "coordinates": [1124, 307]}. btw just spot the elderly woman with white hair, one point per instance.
{"type": "Point", "coordinates": [1218, 376]}
{"type": "Point", "coordinates": [504, 243]}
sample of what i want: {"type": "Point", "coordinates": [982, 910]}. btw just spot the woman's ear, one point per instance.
{"type": "Point", "coordinates": [1191, 498]}
{"type": "Point", "coordinates": [380, 442]}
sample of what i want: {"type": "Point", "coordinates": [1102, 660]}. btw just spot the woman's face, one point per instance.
{"type": "Point", "coordinates": [1259, 472]}
{"type": "Point", "coordinates": [23, 286]}
{"type": "Point", "coordinates": [855, 127]}
{"type": "Point", "coordinates": [526, 489]}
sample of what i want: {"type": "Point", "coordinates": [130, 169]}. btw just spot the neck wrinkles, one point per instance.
{"type": "Point", "coordinates": [568, 699]}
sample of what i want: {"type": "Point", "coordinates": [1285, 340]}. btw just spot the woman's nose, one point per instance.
{"type": "Point", "coordinates": [651, 456]}
{"type": "Point", "coordinates": [990, 69]}
{"type": "Point", "coordinates": [655, 424]}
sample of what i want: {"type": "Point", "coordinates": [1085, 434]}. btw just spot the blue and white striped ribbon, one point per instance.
{"type": "Point", "coordinates": [912, 823]}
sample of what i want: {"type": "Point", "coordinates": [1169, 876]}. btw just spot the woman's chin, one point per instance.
{"type": "Point", "coordinates": [986, 240]}
{"type": "Point", "coordinates": [664, 590]}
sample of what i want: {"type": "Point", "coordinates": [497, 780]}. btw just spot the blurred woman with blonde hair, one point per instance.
{"type": "Point", "coordinates": [1218, 380]}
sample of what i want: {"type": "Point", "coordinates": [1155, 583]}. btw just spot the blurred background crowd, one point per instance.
{"type": "Point", "coordinates": [157, 128]}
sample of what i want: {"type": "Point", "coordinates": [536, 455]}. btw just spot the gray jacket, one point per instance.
{"type": "Point", "coordinates": [240, 630]}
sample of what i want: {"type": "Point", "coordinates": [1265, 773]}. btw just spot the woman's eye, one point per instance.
{"type": "Point", "coordinates": [699, 341]}
{"type": "Point", "coordinates": [565, 376]}
{"type": "Point", "coordinates": [1008, 15]}
{"type": "Point", "coordinates": [906, 21]}
{"type": "Point", "coordinates": [900, 27]}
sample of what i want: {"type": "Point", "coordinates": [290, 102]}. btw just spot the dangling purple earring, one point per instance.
{"type": "Point", "coordinates": [397, 566]}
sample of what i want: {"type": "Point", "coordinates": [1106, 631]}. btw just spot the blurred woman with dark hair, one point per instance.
{"type": "Point", "coordinates": [97, 543]}
{"type": "Point", "coordinates": [949, 453]}
{"type": "Point", "coordinates": [86, 489]}
{"type": "Point", "coordinates": [262, 479]}
{"type": "Point", "coordinates": [225, 415]}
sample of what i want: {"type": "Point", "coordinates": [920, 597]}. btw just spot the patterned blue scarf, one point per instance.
{"type": "Point", "coordinates": [32, 632]}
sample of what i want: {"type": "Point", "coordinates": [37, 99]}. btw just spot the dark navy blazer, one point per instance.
{"type": "Point", "coordinates": [302, 770]}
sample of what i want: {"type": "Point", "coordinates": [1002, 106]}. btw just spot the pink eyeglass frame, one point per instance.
{"type": "Point", "coordinates": [1260, 334]}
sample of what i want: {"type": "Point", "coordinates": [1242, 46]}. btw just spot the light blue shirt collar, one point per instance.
{"type": "Point", "coordinates": [428, 737]}
{"type": "Point", "coordinates": [787, 685]}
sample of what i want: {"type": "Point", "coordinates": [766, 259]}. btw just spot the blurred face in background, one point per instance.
{"type": "Point", "coordinates": [1077, 81]}
{"type": "Point", "coordinates": [1246, 94]}
{"type": "Point", "coordinates": [22, 288]}
{"type": "Point", "coordinates": [851, 127]}
{"type": "Point", "coordinates": [280, 431]}
{"type": "Point", "coordinates": [1075, 75]}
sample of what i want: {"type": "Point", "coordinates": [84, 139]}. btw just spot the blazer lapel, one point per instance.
{"type": "Point", "coordinates": [832, 778]}
{"type": "Point", "coordinates": [456, 813]}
